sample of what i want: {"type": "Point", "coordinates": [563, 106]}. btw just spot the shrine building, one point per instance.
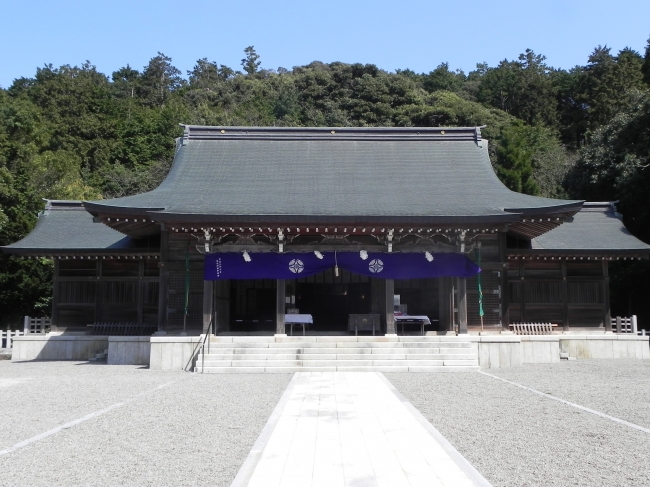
{"type": "Point", "coordinates": [254, 224]}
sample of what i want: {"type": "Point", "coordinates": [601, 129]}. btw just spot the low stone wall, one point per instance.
{"type": "Point", "coordinates": [501, 351]}
{"type": "Point", "coordinates": [605, 346]}
{"type": "Point", "coordinates": [131, 350]}
{"type": "Point", "coordinates": [57, 347]}
{"type": "Point", "coordinates": [172, 352]}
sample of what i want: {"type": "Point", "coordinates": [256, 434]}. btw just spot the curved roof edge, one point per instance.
{"type": "Point", "coordinates": [596, 230]}
{"type": "Point", "coordinates": [64, 227]}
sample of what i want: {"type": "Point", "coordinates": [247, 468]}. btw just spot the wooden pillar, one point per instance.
{"type": "Point", "coordinates": [99, 291]}
{"type": "Point", "coordinates": [505, 286]}
{"type": "Point", "coordinates": [140, 290]}
{"type": "Point", "coordinates": [222, 305]}
{"type": "Point", "coordinates": [279, 307]}
{"type": "Point", "coordinates": [445, 300]}
{"type": "Point", "coordinates": [390, 307]}
{"type": "Point", "coordinates": [162, 282]}
{"type": "Point", "coordinates": [207, 305]}
{"type": "Point", "coordinates": [462, 305]}
{"type": "Point", "coordinates": [54, 318]}
{"type": "Point", "coordinates": [607, 315]}
{"type": "Point", "coordinates": [378, 298]}
{"type": "Point", "coordinates": [565, 297]}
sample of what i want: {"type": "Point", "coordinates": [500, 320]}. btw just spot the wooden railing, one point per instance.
{"type": "Point", "coordinates": [532, 328]}
{"type": "Point", "coordinates": [123, 329]}
{"type": "Point", "coordinates": [36, 325]}
{"type": "Point", "coordinates": [624, 325]}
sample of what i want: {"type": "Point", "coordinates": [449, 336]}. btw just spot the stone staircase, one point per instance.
{"type": "Point", "coordinates": [338, 353]}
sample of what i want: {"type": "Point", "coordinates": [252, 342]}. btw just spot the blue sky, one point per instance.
{"type": "Point", "coordinates": [413, 34]}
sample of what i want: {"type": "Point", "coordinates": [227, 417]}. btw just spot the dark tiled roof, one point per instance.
{"type": "Point", "coordinates": [325, 173]}
{"type": "Point", "coordinates": [66, 227]}
{"type": "Point", "coordinates": [596, 229]}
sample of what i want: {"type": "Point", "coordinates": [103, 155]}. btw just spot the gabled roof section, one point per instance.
{"type": "Point", "coordinates": [375, 175]}
{"type": "Point", "coordinates": [596, 230]}
{"type": "Point", "coordinates": [66, 228]}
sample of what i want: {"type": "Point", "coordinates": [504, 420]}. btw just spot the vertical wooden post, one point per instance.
{"type": "Point", "coordinates": [505, 287]}
{"type": "Point", "coordinates": [462, 305]}
{"type": "Point", "coordinates": [565, 297]}
{"type": "Point", "coordinates": [446, 315]}
{"type": "Point", "coordinates": [54, 319]}
{"type": "Point", "coordinates": [99, 291]}
{"type": "Point", "coordinates": [140, 292]}
{"type": "Point", "coordinates": [522, 276]}
{"type": "Point", "coordinates": [163, 281]}
{"type": "Point", "coordinates": [390, 307]}
{"type": "Point", "coordinates": [279, 307]}
{"type": "Point", "coordinates": [607, 315]}
{"type": "Point", "coordinates": [207, 305]}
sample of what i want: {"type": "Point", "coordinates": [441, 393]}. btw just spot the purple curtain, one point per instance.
{"type": "Point", "coordinates": [232, 265]}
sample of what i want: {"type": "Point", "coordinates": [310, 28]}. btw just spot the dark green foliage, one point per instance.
{"type": "Point", "coordinates": [515, 158]}
{"type": "Point", "coordinates": [616, 165]}
{"type": "Point", "coordinates": [522, 88]}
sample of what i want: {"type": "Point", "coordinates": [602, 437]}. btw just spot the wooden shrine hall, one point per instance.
{"type": "Point", "coordinates": [253, 224]}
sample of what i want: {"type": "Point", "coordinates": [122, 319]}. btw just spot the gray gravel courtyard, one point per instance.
{"type": "Point", "coordinates": [517, 438]}
{"type": "Point", "coordinates": [196, 430]}
{"type": "Point", "coordinates": [175, 428]}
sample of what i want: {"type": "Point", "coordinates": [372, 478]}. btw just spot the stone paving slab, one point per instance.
{"type": "Point", "coordinates": [352, 429]}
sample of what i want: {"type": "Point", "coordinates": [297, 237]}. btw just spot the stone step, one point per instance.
{"type": "Point", "coordinates": [359, 350]}
{"type": "Point", "coordinates": [333, 356]}
{"type": "Point", "coordinates": [333, 363]}
{"type": "Point", "coordinates": [339, 338]}
{"type": "Point", "coordinates": [292, 369]}
{"type": "Point", "coordinates": [317, 345]}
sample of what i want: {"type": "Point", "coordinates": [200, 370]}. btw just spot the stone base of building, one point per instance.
{"type": "Point", "coordinates": [181, 352]}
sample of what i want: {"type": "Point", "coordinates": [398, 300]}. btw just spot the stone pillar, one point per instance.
{"type": "Point", "coordinates": [207, 306]}
{"type": "Point", "coordinates": [462, 305]}
{"type": "Point", "coordinates": [279, 307]}
{"type": "Point", "coordinates": [390, 307]}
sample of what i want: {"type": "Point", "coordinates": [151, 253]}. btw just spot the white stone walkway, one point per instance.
{"type": "Point", "coordinates": [352, 429]}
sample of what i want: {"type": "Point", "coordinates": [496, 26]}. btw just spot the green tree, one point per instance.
{"type": "Point", "coordinates": [522, 88]}
{"type": "Point", "coordinates": [645, 68]}
{"type": "Point", "coordinates": [606, 82]}
{"type": "Point", "coordinates": [250, 63]}
{"type": "Point", "coordinates": [443, 79]}
{"type": "Point", "coordinates": [159, 80]}
{"type": "Point", "coordinates": [515, 160]}
{"type": "Point", "coordinates": [615, 165]}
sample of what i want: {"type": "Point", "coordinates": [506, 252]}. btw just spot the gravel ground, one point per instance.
{"type": "Point", "coordinates": [195, 431]}
{"type": "Point", "coordinates": [517, 438]}
{"type": "Point", "coordinates": [620, 387]}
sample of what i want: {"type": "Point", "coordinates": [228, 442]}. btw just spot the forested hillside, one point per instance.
{"type": "Point", "coordinates": [75, 133]}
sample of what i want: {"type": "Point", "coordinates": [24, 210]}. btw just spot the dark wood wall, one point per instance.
{"type": "Point", "coordinates": [570, 293]}
{"type": "Point", "coordinates": [104, 290]}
